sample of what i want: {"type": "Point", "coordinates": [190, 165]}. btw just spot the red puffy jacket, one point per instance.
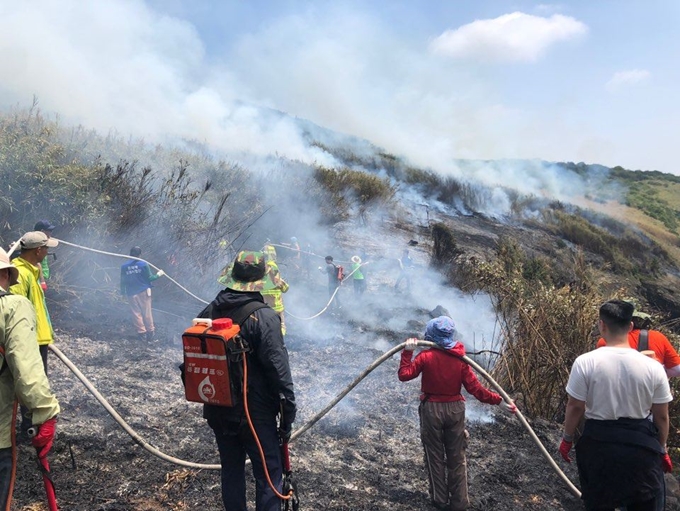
{"type": "Point", "coordinates": [444, 374]}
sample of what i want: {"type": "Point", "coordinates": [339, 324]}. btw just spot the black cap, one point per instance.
{"type": "Point", "coordinates": [135, 251]}
{"type": "Point", "coordinates": [44, 225]}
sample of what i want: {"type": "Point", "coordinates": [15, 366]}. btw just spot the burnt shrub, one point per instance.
{"type": "Point", "coordinates": [444, 246]}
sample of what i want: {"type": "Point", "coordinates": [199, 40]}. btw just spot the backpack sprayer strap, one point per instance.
{"type": "Point", "coordinates": [643, 340]}
{"type": "Point", "coordinates": [3, 365]}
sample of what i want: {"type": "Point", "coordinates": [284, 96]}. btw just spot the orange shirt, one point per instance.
{"type": "Point", "coordinates": [658, 343]}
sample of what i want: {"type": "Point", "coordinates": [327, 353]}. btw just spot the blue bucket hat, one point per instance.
{"type": "Point", "coordinates": [442, 331]}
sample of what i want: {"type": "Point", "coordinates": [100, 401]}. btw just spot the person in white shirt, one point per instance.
{"type": "Point", "coordinates": [621, 455]}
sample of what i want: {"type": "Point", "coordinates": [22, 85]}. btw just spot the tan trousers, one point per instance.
{"type": "Point", "coordinates": [442, 430]}
{"type": "Point", "coordinates": [140, 306]}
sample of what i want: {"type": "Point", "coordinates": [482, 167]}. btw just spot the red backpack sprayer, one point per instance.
{"type": "Point", "coordinates": [209, 348]}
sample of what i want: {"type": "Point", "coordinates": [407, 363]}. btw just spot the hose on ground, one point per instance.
{"type": "Point", "coordinates": [386, 356]}
{"type": "Point", "coordinates": [135, 436]}
{"type": "Point", "coordinates": [472, 364]}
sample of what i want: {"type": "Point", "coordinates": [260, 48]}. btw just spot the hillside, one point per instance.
{"type": "Point", "coordinates": [492, 241]}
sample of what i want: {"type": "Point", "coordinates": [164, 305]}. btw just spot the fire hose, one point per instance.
{"type": "Point", "coordinates": [113, 254]}
{"type": "Point", "coordinates": [156, 452]}
{"type": "Point", "coordinates": [143, 443]}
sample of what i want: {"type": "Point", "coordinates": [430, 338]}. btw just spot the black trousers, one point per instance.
{"type": "Point", "coordinates": [234, 441]}
{"type": "Point", "coordinates": [5, 475]}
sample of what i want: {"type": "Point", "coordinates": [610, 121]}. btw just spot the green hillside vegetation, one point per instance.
{"type": "Point", "coordinates": [655, 193]}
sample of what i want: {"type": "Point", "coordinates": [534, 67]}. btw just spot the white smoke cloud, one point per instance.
{"type": "Point", "coordinates": [622, 79]}
{"type": "Point", "coordinates": [124, 66]}
{"type": "Point", "coordinates": [515, 37]}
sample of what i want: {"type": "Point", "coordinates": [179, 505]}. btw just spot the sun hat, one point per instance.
{"type": "Point", "coordinates": [356, 259]}
{"type": "Point", "coordinates": [5, 263]}
{"type": "Point", "coordinates": [36, 239]}
{"type": "Point", "coordinates": [246, 273]}
{"type": "Point", "coordinates": [442, 331]}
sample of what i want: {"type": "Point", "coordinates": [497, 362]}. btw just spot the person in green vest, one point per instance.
{"type": "Point", "coordinates": [46, 227]}
{"type": "Point", "coordinates": [358, 276]}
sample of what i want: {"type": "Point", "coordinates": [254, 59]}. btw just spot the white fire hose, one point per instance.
{"type": "Point", "coordinates": [137, 438]}
{"type": "Point", "coordinates": [112, 254]}
{"type": "Point", "coordinates": [143, 443]}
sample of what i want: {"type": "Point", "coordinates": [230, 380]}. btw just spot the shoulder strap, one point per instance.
{"type": "Point", "coordinates": [643, 340]}
{"type": "Point", "coordinates": [3, 366]}
{"type": "Point", "coordinates": [239, 315]}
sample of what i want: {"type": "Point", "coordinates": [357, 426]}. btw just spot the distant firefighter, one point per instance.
{"type": "Point", "coordinates": [335, 276]}
{"type": "Point", "coordinates": [47, 227]}
{"type": "Point", "coordinates": [135, 284]}
{"type": "Point", "coordinates": [405, 267]}
{"type": "Point", "coordinates": [358, 276]}
{"type": "Point", "coordinates": [442, 409]}
{"type": "Point", "coordinates": [651, 343]}
{"type": "Point", "coordinates": [274, 285]}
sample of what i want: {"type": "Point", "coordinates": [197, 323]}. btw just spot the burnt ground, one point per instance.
{"type": "Point", "coordinates": [364, 455]}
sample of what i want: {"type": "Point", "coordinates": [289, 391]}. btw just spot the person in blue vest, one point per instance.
{"type": "Point", "coordinates": [135, 283]}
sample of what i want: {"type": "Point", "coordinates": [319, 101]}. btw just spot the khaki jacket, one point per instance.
{"type": "Point", "coordinates": [29, 286]}
{"type": "Point", "coordinates": [23, 375]}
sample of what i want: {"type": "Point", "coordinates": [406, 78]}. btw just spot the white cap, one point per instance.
{"type": "Point", "coordinates": [36, 239]}
{"type": "Point", "coordinates": [4, 263]}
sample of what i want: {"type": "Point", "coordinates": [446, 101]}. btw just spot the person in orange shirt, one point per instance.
{"type": "Point", "coordinates": [657, 343]}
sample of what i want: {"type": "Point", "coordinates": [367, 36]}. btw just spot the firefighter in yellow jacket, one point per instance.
{"type": "Point", "coordinates": [34, 247]}
{"type": "Point", "coordinates": [274, 285]}
{"type": "Point", "coordinates": [21, 376]}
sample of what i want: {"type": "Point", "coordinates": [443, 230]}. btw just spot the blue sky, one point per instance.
{"type": "Point", "coordinates": [430, 80]}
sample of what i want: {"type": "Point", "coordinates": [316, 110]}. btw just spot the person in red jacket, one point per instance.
{"type": "Point", "coordinates": [657, 343]}
{"type": "Point", "coordinates": [442, 410]}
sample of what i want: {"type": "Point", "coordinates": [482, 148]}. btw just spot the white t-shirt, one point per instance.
{"type": "Point", "coordinates": [617, 383]}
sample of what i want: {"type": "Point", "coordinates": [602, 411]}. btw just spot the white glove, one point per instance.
{"type": "Point", "coordinates": [160, 273]}
{"type": "Point", "coordinates": [320, 268]}
{"type": "Point", "coordinates": [411, 344]}
{"type": "Point", "coordinates": [509, 408]}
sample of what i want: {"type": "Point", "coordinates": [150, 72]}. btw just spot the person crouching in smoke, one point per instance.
{"type": "Point", "coordinates": [442, 409]}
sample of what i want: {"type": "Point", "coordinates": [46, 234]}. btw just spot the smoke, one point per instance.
{"type": "Point", "coordinates": [129, 68]}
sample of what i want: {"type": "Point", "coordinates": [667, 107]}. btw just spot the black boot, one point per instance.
{"type": "Point", "coordinates": [150, 336]}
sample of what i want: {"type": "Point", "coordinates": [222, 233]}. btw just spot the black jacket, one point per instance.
{"type": "Point", "coordinates": [268, 367]}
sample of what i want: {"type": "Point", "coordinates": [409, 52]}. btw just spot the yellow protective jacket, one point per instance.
{"type": "Point", "coordinates": [23, 375]}
{"type": "Point", "coordinates": [29, 286]}
{"type": "Point", "coordinates": [274, 286]}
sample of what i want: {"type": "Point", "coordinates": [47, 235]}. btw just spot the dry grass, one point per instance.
{"type": "Point", "coordinates": [544, 328]}
{"type": "Point", "coordinates": [653, 228]}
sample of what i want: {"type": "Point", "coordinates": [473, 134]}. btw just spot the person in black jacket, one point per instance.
{"type": "Point", "coordinates": [270, 389]}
